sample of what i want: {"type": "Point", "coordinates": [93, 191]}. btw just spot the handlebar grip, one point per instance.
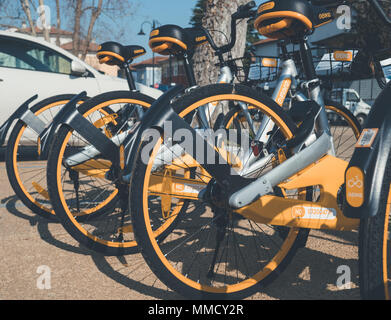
{"type": "Point", "coordinates": [248, 6]}
{"type": "Point", "coordinates": [244, 11]}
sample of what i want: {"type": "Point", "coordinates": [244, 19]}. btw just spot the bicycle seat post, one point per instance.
{"type": "Point", "coordinates": [129, 76]}
{"type": "Point", "coordinates": [189, 70]}
{"type": "Point", "coordinates": [284, 51]}
{"type": "Point", "coordinates": [307, 60]}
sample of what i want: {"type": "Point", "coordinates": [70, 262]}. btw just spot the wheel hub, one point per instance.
{"type": "Point", "coordinates": [215, 195]}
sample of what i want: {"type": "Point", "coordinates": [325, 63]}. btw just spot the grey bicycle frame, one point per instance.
{"type": "Point", "coordinates": [322, 145]}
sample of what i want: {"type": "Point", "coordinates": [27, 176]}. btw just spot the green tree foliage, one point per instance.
{"type": "Point", "coordinates": [198, 12]}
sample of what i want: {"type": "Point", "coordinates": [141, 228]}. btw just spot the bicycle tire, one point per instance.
{"type": "Point", "coordinates": [81, 229]}
{"type": "Point", "coordinates": [36, 199]}
{"type": "Point", "coordinates": [375, 247]}
{"type": "Point", "coordinates": [152, 250]}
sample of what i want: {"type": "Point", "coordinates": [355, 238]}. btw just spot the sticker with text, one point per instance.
{"type": "Point", "coordinates": [367, 138]}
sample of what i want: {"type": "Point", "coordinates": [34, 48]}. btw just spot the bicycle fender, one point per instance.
{"type": "Point", "coordinates": [16, 115]}
{"type": "Point", "coordinates": [158, 115]}
{"type": "Point", "coordinates": [46, 136]}
{"type": "Point", "coordinates": [372, 160]}
{"type": "Point", "coordinates": [153, 118]}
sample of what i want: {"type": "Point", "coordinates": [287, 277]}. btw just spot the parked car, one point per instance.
{"type": "Point", "coordinates": [30, 66]}
{"type": "Point", "coordinates": [351, 100]}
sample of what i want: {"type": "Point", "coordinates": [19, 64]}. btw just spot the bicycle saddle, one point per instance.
{"type": "Point", "coordinates": [113, 53]}
{"type": "Point", "coordinates": [172, 39]}
{"type": "Point", "coordinates": [286, 19]}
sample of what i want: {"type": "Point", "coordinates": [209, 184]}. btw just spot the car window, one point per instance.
{"type": "Point", "coordinates": [336, 95]}
{"type": "Point", "coordinates": [20, 54]}
{"type": "Point", "coordinates": [352, 96]}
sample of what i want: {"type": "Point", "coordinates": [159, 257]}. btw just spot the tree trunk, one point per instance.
{"type": "Point", "coordinates": [46, 31]}
{"type": "Point", "coordinates": [94, 16]}
{"type": "Point", "coordinates": [58, 43]}
{"type": "Point", "coordinates": [26, 9]}
{"type": "Point", "coordinates": [218, 17]}
{"type": "Point", "coordinates": [76, 32]}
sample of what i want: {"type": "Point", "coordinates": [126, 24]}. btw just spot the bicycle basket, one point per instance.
{"type": "Point", "coordinates": [264, 69]}
{"type": "Point", "coordinates": [333, 64]}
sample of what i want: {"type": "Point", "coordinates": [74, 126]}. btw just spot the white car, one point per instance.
{"type": "Point", "coordinates": [30, 66]}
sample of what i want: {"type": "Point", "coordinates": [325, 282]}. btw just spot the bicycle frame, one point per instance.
{"type": "Point", "coordinates": [372, 152]}
{"type": "Point", "coordinates": [287, 81]}
{"type": "Point", "coordinates": [309, 167]}
{"type": "Point", "coordinates": [368, 163]}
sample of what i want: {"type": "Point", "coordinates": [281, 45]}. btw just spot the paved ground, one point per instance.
{"type": "Point", "coordinates": [28, 242]}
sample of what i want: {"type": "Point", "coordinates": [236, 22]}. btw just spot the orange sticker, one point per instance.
{"type": "Point", "coordinates": [154, 33]}
{"type": "Point", "coordinates": [355, 187]}
{"type": "Point", "coordinates": [286, 85]}
{"type": "Point", "coordinates": [367, 138]}
{"type": "Point", "coordinates": [298, 212]}
{"type": "Point", "coordinates": [122, 157]}
{"type": "Point", "coordinates": [269, 62]}
{"type": "Point", "coordinates": [343, 56]}
{"type": "Point", "coordinates": [266, 6]}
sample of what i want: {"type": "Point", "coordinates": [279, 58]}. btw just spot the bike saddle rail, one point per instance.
{"type": "Point", "coordinates": [365, 173]}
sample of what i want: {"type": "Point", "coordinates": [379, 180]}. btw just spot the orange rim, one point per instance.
{"type": "Point", "coordinates": [272, 264]}
{"type": "Point", "coordinates": [125, 244]}
{"type": "Point", "coordinates": [15, 158]}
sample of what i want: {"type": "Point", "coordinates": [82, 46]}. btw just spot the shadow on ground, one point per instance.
{"type": "Point", "coordinates": [311, 275]}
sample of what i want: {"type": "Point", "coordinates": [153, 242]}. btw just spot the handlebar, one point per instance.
{"type": "Point", "coordinates": [243, 12]}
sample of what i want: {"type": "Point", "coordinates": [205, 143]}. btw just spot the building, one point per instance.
{"type": "Point", "coordinates": [148, 72]}
{"type": "Point", "coordinates": [173, 71]}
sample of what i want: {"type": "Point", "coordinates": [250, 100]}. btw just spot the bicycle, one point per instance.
{"type": "Point", "coordinates": [101, 243]}
{"type": "Point", "coordinates": [97, 162]}
{"type": "Point", "coordinates": [368, 199]}
{"type": "Point", "coordinates": [241, 212]}
{"type": "Point", "coordinates": [29, 182]}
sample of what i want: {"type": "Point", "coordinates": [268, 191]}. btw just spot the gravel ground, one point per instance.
{"type": "Point", "coordinates": [28, 242]}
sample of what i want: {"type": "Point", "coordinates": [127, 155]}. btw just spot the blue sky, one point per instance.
{"type": "Point", "coordinates": [165, 11]}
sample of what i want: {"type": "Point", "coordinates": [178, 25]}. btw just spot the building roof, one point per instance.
{"type": "Point", "coordinates": [148, 62]}
{"type": "Point", "coordinates": [53, 31]}
{"type": "Point", "coordinates": [92, 47]}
